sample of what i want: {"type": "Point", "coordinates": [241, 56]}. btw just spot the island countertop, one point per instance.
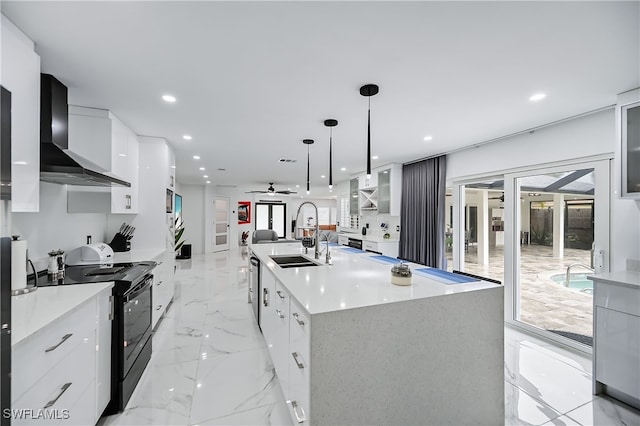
{"type": "Point", "coordinates": [353, 280]}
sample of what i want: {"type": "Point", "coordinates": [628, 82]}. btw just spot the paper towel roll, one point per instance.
{"type": "Point", "coordinates": [18, 264]}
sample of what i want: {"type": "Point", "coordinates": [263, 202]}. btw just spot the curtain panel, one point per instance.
{"type": "Point", "coordinates": [422, 212]}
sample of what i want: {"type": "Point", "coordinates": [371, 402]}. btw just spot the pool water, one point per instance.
{"type": "Point", "coordinates": [577, 282]}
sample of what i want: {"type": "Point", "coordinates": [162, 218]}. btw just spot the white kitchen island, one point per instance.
{"type": "Point", "coordinates": [351, 348]}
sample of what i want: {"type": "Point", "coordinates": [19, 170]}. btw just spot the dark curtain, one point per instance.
{"type": "Point", "coordinates": [422, 212]}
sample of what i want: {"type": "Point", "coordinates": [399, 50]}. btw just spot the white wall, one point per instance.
{"type": "Point", "coordinates": [587, 136]}
{"type": "Point", "coordinates": [54, 228]}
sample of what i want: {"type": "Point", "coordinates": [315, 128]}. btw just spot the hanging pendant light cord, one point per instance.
{"type": "Point", "coordinates": [307, 168]}
{"type": "Point", "coordinates": [369, 139]}
{"type": "Point", "coordinates": [330, 157]}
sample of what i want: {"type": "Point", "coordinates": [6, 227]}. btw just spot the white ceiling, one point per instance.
{"type": "Point", "coordinates": [252, 79]}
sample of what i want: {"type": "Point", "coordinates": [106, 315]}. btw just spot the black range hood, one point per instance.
{"type": "Point", "coordinates": [57, 163]}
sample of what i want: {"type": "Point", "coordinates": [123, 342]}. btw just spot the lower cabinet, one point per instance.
{"type": "Point", "coordinates": [617, 347]}
{"type": "Point", "coordinates": [386, 248]}
{"type": "Point", "coordinates": [285, 326]}
{"type": "Point", "coordinates": [163, 285]}
{"type": "Point", "coordinates": [343, 240]}
{"type": "Point", "coordinates": [64, 370]}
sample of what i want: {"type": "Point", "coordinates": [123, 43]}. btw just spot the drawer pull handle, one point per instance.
{"type": "Point", "coordinates": [280, 294]}
{"type": "Point", "coordinates": [159, 307]}
{"type": "Point", "coordinates": [159, 282]}
{"type": "Point", "coordinates": [279, 312]}
{"type": "Point", "coordinates": [295, 358]}
{"type": "Point", "coordinates": [300, 418]}
{"type": "Point", "coordinates": [297, 317]}
{"type": "Point", "coordinates": [64, 339]}
{"type": "Point", "coordinates": [63, 389]}
{"type": "Point", "coordinates": [265, 297]}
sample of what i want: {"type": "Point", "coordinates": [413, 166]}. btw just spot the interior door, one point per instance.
{"type": "Point", "coordinates": [220, 223]}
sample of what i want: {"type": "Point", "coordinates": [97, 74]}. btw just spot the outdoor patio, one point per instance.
{"type": "Point", "coordinates": [543, 303]}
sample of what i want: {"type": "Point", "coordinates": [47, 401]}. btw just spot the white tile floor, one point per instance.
{"type": "Point", "coordinates": [210, 365]}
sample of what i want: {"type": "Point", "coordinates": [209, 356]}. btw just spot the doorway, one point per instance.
{"type": "Point", "coordinates": [272, 216]}
{"type": "Point", "coordinates": [561, 217]}
{"type": "Point", "coordinates": [220, 223]}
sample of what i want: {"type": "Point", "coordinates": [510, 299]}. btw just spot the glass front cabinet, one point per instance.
{"type": "Point", "coordinates": [630, 149]}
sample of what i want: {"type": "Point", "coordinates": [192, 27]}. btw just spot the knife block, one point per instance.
{"type": "Point", "coordinates": [120, 243]}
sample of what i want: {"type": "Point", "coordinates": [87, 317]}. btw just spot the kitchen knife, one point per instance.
{"type": "Point", "coordinates": [122, 227]}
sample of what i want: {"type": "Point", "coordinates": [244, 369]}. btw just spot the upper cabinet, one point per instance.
{"type": "Point", "coordinates": [21, 76]}
{"type": "Point", "coordinates": [628, 113]}
{"type": "Point", "coordinates": [100, 137]}
{"type": "Point", "coordinates": [380, 193]}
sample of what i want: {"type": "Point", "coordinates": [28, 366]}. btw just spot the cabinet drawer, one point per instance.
{"type": "Point", "coordinates": [299, 336]}
{"type": "Point", "coordinates": [64, 384]}
{"type": "Point", "coordinates": [33, 358]}
{"type": "Point", "coordinates": [618, 350]}
{"type": "Point", "coordinates": [617, 297]}
{"type": "Point", "coordinates": [343, 239]}
{"type": "Point", "coordinates": [281, 298]}
{"type": "Point", "coordinates": [369, 245]}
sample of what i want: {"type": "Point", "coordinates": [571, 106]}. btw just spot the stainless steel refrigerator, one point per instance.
{"type": "Point", "coordinates": [5, 255]}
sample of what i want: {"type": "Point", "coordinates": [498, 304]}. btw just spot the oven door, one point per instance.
{"type": "Point", "coordinates": [136, 311]}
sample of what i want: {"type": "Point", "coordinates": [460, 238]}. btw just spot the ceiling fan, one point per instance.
{"type": "Point", "coordinates": [271, 191]}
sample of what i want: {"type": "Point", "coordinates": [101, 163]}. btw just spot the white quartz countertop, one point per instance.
{"type": "Point", "coordinates": [627, 278]}
{"type": "Point", "coordinates": [352, 281]}
{"type": "Point", "coordinates": [137, 255]}
{"type": "Point", "coordinates": [31, 312]}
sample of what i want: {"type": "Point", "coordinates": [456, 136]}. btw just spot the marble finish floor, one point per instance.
{"type": "Point", "coordinates": [210, 365]}
{"type": "Point", "coordinates": [543, 303]}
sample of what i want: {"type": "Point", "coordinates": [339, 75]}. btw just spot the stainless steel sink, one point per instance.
{"type": "Point", "coordinates": [292, 261]}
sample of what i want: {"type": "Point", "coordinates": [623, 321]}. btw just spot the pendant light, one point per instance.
{"type": "Point", "coordinates": [369, 90]}
{"type": "Point", "coordinates": [331, 123]}
{"type": "Point", "coordinates": [307, 142]}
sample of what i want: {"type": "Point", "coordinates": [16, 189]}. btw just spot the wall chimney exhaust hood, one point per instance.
{"type": "Point", "coordinates": [57, 163]}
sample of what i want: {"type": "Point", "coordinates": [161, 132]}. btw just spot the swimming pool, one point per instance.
{"type": "Point", "coordinates": [577, 282]}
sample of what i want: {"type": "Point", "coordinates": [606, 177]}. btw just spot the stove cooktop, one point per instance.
{"type": "Point", "coordinates": [122, 273]}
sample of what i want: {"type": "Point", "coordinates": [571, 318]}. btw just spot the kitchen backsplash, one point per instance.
{"type": "Point", "coordinates": [53, 228]}
{"type": "Point", "coordinates": [375, 229]}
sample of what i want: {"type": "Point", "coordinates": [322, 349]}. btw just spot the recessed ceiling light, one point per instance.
{"type": "Point", "coordinates": [122, 155]}
{"type": "Point", "coordinates": [187, 137]}
{"type": "Point", "coordinates": [428, 138]}
{"type": "Point", "coordinates": [322, 176]}
{"type": "Point", "coordinates": [343, 169]}
{"type": "Point", "coordinates": [201, 168]}
{"type": "Point", "coordinates": [538, 97]}
{"type": "Point", "coordinates": [173, 167]}
{"type": "Point", "coordinates": [289, 189]}
{"type": "Point", "coordinates": [297, 186]}
{"type": "Point", "coordinates": [205, 176]}
{"type": "Point", "coordinates": [20, 163]}
{"type": "Point", "coordinates": [196, 157]}
{"type": "Point", "coordinates": [169, 98]}
{"type": "Point", "coordinates": [208, 181]}
{"type": "Point", "coordinates": [374, 157]}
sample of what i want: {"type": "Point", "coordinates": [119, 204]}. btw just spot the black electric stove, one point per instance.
{"type": "Point", "coordinates": [123, 274]}
{"type": "Point", "coordinates": [131, 326]}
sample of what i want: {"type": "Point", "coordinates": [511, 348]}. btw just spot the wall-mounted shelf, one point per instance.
{"type": "Point", "coordinates": [369, 199]}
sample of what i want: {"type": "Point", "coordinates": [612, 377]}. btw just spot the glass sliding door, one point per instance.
{"type": "Point", "coordinates": [560, 215]}
{"type": "Point", "coordinates": [272, 216]}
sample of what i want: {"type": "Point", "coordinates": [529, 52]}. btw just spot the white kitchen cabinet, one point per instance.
{"type": "Point", "coordinates": [371, 182]}
{"type": "Point", "coordinates": [21, 76]}
{"type": "Point", "coordinates": [390, 189]}
{"type": "Point", "coordinates": [66, 365]}
{"type": "Point", "coordinates": [280, 342]}
{"type": "Point", "coordinates": [299, 363]}
{"type": "Point", "coordinates": [628, 151]}
{"type": "Point", "coordinates": [163, 285]}
{"type": "Point", "coordinates": [102, 138]}
{"type": "Point", "coordinates": [154, 224]}
{"type": "Point", "coordinates": [617, 335]}
{"type": "Point", "coordinates": [343, 240]}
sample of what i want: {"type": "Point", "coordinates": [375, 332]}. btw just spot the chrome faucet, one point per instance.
{"type": "Point", "coordinates": [317, 234]}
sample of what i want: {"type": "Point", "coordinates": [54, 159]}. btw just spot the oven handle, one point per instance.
{"type": "Point", "coordinates": [139, 289]}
